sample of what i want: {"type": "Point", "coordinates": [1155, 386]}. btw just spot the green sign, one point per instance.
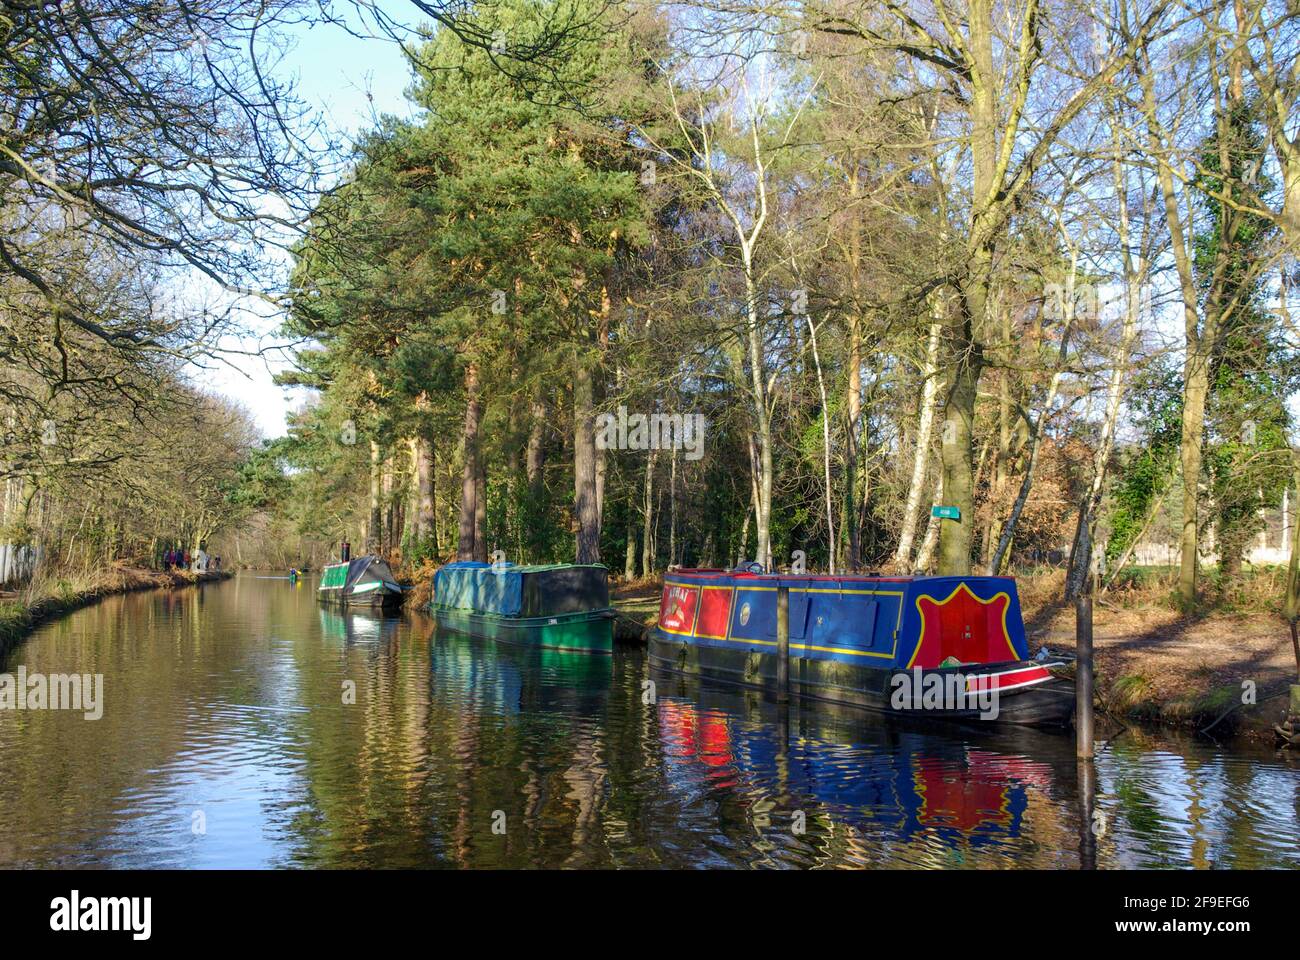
{"type": "Point", "coordinates": [946, 513]}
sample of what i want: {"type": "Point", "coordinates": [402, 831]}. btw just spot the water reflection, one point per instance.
{"type": "Point", "coordinates": [246, 726]}
{"type": "Point", "coordinates": [356, 626]}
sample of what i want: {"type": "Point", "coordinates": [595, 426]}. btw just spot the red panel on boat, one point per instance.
{"type": "Point", "coordinates": [715, 612]}
{"type": "Point", "coordinates": [677, 608]}
{"type": "Point", "coordinates": [962, 625]}
{"type": "Point", "coordinates": [1009, 680]}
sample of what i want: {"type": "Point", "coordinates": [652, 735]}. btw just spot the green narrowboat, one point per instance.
{"type": "Point", "coordinates": [360, 582]}
{"type": "Point", "coordinates": [562, 606]}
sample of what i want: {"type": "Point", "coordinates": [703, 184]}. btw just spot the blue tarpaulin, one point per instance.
{"type": "Point", "coordinates": [470, 585]}
{"type": "Point", "coordinates": [529, 590]}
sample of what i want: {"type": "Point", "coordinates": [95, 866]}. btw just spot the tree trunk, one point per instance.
{"type": "Point", "coordinates": [600, 487]}
{"type": "Point", "coordinates": [958, 468]}
{"type": "Point", "coordinates": [467, 545]}
{"type": "Point", "coordinates": [425, 479]}
{"type": "Point", "coordinates": [536, 452]}
{"type": "Point", "coordinates": [851, 512]}
{"type": "Point", "coordinates": [420, 510]}
{"type": "Point", "coordinates": [921, 455]}
{"type": "Point", "coordinates": [375, 528]}
{"type": "Point", "coordinates": [647, 508]}
{"type": "Point", "coordinates": [762, 420]}
{"type": "Point", "coordinates": [1081, 552]}
{"type": "Point", "coordinates": [672, 509]}
{"type": "Point", "coordinates": [1002, 455]}
{"type": "Point", "coordinates": [826, 449]}
{"type": "Point", "coordinates": [586, 506]}
{"type": "Point", "coordinates": [1196, 367]}
{"type": "Point", "coordinates": [413, 532]}
{"type": "Point", "coordinates": [392, 521]}
{"type": "Point", "coordinates": [964, 353]}
{"type": "Point", "coordinates": [931, 538]}
{"type": "Point", "coordinates": [1291, 604]}
{"type": "Point", "coordinates": [480, 510]}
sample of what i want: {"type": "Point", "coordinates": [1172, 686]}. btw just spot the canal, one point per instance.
{"type": "Point", "coordinates": [245, 726]}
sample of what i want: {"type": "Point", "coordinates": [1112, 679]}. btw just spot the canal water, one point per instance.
{"type": "Point", "coordinates": [245, 726]}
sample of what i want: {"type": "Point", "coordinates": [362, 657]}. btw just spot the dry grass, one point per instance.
{"type": "Point", "coordinates": [1185, 669]}
{"type": "Point", "coordinates": [55, 592]}
{"type": "Point", "coordinates": [417, 580]}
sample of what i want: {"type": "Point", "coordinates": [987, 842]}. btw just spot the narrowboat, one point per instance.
{"type": "Point", "coordinates": [560, 606]}
{"type": "Point", "coordinates": [950, 648]}
{"type": "Point", "coordinates": [360, 582]}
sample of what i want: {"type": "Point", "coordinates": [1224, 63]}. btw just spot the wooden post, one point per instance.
{"type": "Point", "coordinates": [782, 643]}
{"type": "Point", "coordinates": [1088, 826]}
{"type": "Point", "coordinates": [1083, 676]}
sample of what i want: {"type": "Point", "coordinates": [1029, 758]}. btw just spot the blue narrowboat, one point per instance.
{"type": "Point", "coordinates": [949, 648]}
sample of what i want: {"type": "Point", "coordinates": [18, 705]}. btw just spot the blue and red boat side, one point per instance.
{"type": "Point", "coordinates": [851, 637]}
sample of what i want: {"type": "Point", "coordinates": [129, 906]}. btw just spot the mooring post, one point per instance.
{"type": "Point", "coordinates": [1083, 674]}
{"type": "Point", "coordinates": [782, 642]}
{"type": "Point", "coordinates": [1090, 825]}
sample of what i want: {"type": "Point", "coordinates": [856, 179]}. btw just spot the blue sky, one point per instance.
{"type": "Point", "coordinates": [348, 80]}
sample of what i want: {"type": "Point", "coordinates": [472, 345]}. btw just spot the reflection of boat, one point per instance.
{"type": "Point", "coordinates": [353, 626]}
{"type": "Point", "coordinates": [878, 776]}
{"type": "Point", "coordinates": [564, 606]}
{"type": "Point", "coordinates": [518, 677]}
{"type": "Point", "coordinates": [360, 582]}
{"type": "Point", "coordinates": [943, 647]}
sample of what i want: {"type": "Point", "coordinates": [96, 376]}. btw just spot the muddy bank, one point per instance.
{"type": "Point", "coordinates": [1217, 672]}
{"type": "Point", "coordinates": [17, 621]}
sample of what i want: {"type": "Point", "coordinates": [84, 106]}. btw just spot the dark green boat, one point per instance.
{"type": "Point", "coordinates": [558, 606]}
{"type": "Point", "coordinates": [360, 582]}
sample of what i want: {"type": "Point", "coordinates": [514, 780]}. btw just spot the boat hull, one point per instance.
{"type": "Point", "coordinates": [589, 631]}
{"type": "Point", "coordinates": [371, 600]}
{"type": "Point", "coordinates": [1041, 700]}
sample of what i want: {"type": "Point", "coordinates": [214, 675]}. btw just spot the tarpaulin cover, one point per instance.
{"type": "Point", "coordinates": [358, 570]}
{"type": "Point", "coordinates": [521, 591]}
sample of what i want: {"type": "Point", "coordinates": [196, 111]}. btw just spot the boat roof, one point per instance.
{"type": "Point", "coordinates": [520, 567]}
{"type": "Point", "coordinates": [718, 573]}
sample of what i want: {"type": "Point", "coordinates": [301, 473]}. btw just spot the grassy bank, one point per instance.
{"type": "Point", "coordinates": [53, 595]}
